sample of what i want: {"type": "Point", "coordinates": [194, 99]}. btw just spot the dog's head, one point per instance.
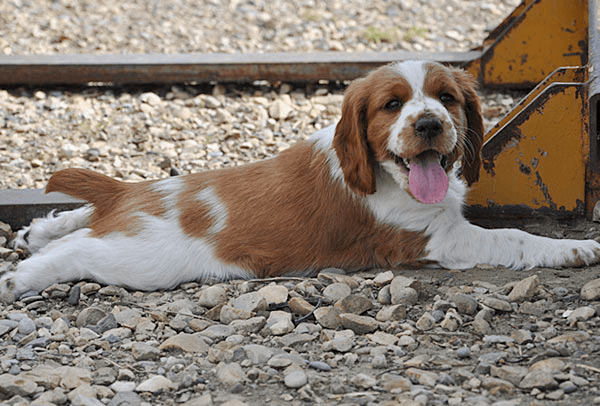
{"type": "Point", "coordinates": [414, 120]}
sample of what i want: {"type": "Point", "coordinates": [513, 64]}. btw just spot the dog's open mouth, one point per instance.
{"type": "Point", "coordinates": [427, 179]}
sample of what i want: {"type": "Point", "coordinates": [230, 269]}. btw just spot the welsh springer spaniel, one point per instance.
{"type": "Point", "coordinates": [381, 188]}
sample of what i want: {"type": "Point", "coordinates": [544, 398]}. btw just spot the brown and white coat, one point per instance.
{"type": "Point", "coordinates": [382, 188]}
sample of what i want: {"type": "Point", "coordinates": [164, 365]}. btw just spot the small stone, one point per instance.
{"type": "Point", "coordinates": [300, 306]}
{"type": "Point", "coordinates": [513, 374]}
{"type": "Point", "coordinates": [89, 288]}
{"type": "Point", "coordinates": [125, 398]}
{"type": "Point", "coordinates": [497, 339]}
{"type": "Point", "coordinates": [212, 296]}
{"type": "Point", "coordinates": [123, 386]}
{"type": "Point", "coordinates": [538, 378]}
{"type": "Point", "coordinates": [381, 338]}
{"type": "Point", "coordinates": [524, 289]}
{"type": "Point", "coordinates": [319, 365]}
{"type": "Point", "coordinates": [328, 317]}
{"type": "Point", "coordinates": [274, 293]}
{"type": "Point", "coordinates": [363, 381]}
{"type": "Point", "coordinates": [335, 275]}
{"type": "Point", "coordinates": [356, 304]}
{"type": "Point", "coordinates": [105, 324]}
{"type": "Point", "coordinates": [74, 295]}
{"type": "Point", "coordinates": [497, 304]}
{"type": "Point", "coordinates": [229, 313]}
{"type": "Point", "coordinates": [280, 322]}
{"type": "Point", "coordinates": [358, 324]}
{"type": "Point", "coordinates": [128, 318]}
{"type": "Point", "coordinates": [212, 102]}
{"type": "Point", "coordinates": [496, 385]}
{"type": "Point", "coordinates": [156, 384]}
{"type": "Point", "coordinates": [423, 377]}
{"type": "Point", "coordinates": [555, 395]}
{"type": "Point", "coordinates": [336, 291]}
{"type": "Point", "coordinates": [560, 291]}
{"type": "Point", "coordinates": [383, 278]}
{"type": "Point", "coordinates": [567, 387]}
{"type": "Point", "coordinates": [463, 352]}
{"type": "Point", "coordinates": [571, 337]}
{"type": "Point", "coordinates": [379, 361]}
{"type": "Point", "coordinates": [464, 304]}
{"type": "Point", "coordinates": [582, 313]}
{"type": "Point", "coordinates": [193, 343]}
{"type": "Point", "coordinates": [391, 313]}
{"type": "Point", "coordinates": [73, 377]}
{"type": "Point", "coordinates": [230, 373]}
{"type": "Point", "coordinates": [11, 385]}
{"type": "Point", "coordinates": [257, 354]}
{"type": "Point", "coordinates": [89, 316]}
{"type": "Point", "coordinates": [339, 344]}
{"type": "Point", "coordinates": [280, 110]}
{"type": "Point", "coordinates": [384, 297]}
{"type": "Point", "coordinates": [250, 302]}
{"type": "Point", "coordinates": [295, 379]}
{"type": "Point", "coordinates": [151, 98]}
{"type": "Point", "coordinates": [144, 352]}
{"type": "Point", "coordinates": [395, 383]}
{"type": "Point", "coordinates": [522, 336]}
{"type": "Point", "coordinates": [553, 365]}
{"type": "Point", "coordinates": [406, 341]}
{"type": "Point", "coordinates": [591, 290]}
{"type": "Point", "coordinates": [425, 322]}
{"type": "Point", "coordinates": [59, 326]}
{"type": "Point", "coordinates": [217, 332]}
{"type": "Point", "coordinates": [26, 326]}
{"type": "Point", "coordinates": [401, 292]}
{"type": "Point", "coordinates": [250, 326]}
{"type": "Point", "coordinates": [293, 339]}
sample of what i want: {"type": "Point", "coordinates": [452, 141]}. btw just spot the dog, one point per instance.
{"type": "Point", "coordinates": [384, 187]}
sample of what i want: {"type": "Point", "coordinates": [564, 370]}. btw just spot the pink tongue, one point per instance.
{"type": "Point", "coordinates": [427, 179]}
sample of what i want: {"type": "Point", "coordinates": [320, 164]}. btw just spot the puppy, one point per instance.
{"type": "Point", "coordinates": [384, 187]}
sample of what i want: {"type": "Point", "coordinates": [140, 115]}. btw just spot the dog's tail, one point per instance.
{"type": "Point", "coordinates": [86, 185]}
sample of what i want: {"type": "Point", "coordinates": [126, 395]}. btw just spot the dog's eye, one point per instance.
{"type": "Point", "coordinates": [447, 98]}
{"type": "Point", "coordinates": [393, 104]}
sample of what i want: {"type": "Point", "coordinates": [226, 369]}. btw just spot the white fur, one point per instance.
{"type": "Point", "coordinates": [141, 262]}
{"type": "Point", "coordinates": [161, 255]}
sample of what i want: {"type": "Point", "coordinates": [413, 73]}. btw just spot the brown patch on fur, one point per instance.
{"type": "Point", "coordinates": [195, 218]}
{"type": "Point", "coordinates": [114, 202]}
{"type": "Point", "coordinates": [287, 215]}
{"type": "Point", "coordinates": [474, 129]}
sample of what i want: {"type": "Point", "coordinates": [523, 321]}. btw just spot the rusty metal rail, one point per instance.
{"type": "Point", "coordinates": [178, 68]}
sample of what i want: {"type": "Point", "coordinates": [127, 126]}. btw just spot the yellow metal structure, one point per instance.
{"type": "Point", "coordinates": [538, 37]}
{"type": "Point", "coordinates": [541, 155]}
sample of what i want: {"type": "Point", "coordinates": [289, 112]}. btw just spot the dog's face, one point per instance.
{"type": "Point", "coordinates": [414, 120]}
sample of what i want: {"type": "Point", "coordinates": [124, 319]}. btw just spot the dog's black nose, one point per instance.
{"type": "Point", "coordinates": [429, 127]}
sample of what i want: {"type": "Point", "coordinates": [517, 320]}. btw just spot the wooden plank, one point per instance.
{"type": "Point", "coordinates": [82, 69]}
{"type": "Point", "coordinates": [19, 206]}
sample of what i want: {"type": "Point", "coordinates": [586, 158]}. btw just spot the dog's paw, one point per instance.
{"type": "Point", "coordinates": [583, 253]}
{"type": "Point", "coordinates": [8, 293]}
{"type": "Point", "coordinates": [21, 240]}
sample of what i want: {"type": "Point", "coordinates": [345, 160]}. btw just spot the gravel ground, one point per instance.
{"type": "Point", "coordinates": [430, 337]}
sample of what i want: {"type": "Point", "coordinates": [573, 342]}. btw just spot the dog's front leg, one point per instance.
{"type": "Point", "coordinates": [465, 245]}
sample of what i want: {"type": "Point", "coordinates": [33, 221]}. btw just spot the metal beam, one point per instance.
{"type": "Point", "coordinates": [19, 206]}
{"type": "Point", "coordinates": [177, 68]}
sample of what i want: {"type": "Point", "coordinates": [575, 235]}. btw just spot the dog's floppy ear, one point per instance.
{"type": "Point", "coordinates": [471, 163]}
{"type": "Point", "coordinates": [350, 140]}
